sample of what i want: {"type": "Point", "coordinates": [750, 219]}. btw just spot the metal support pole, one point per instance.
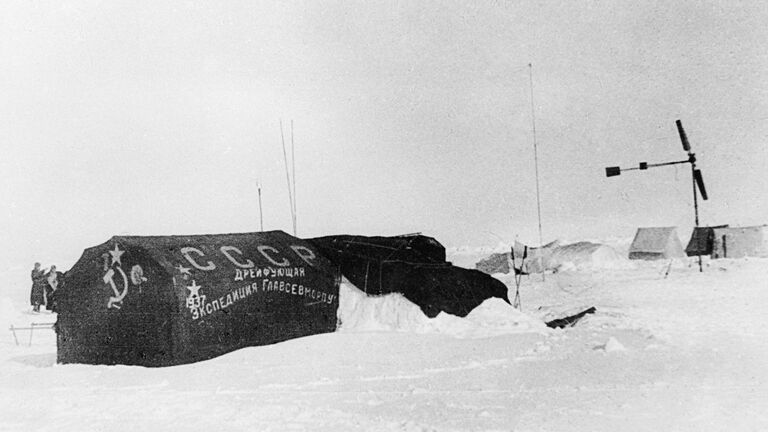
{"type": "Point", "coordinates": [14, 335]}
{"type": "Point", "coordinates": [536, 160]}
{"type": "Point", "coordinates": [695, 204]}
{"type": "Point", "coordinates": [261, 213]}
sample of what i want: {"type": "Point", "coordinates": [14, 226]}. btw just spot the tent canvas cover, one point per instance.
{"type": "Point", "coordinates": [581, 254]}
{"type": "Point", "coordinates": [656, 243]}
{"type": "Point", "coordinates": [413, 265]}
{"type": "Point", "coordinates": [167, 300]}
{"type": "Point", "coordinates": [739, 242]}
{"type": "Point", "coordinates": [537, 259]}
{"type": "Point", "coordinates": [702, 240]}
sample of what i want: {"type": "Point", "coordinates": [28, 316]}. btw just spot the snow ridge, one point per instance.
{"type": "Point", "coordinates": [393, 312]}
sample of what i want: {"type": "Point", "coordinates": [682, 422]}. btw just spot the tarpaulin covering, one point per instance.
{"type": "Point", "coordinates": [702, 240]}
{"type": "Point", "coordinates": [413, 265]}
{"type": "Point", "coordinates": [169, 300]}
{"type": "Point", "coordinates": [413, 248]}
{"type": "Point", "coordinates": [739, 242]}
{"type": "Point", "coordinates": [495, 263]}
{"type": "Point", "coordinates": [581, 255]}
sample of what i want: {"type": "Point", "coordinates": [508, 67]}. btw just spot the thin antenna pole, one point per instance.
{"type": "Point", "coordinates": [287, 175]}
{"type": "Point", "coordinates": [535, 152]}
{"type": "Point", "coordinates": [293, 161]}
{"type": "Point", "coordinates": [695, 195]}
{"type": "Point", "coordinates": [695, 205]}
{"type": "Point", "coordinates": [261, 213]}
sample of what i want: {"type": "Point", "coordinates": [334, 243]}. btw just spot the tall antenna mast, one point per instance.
{"type": "Point", "coordinates": [261, 213]}
{"type": "Point", "coordinates": [293, 162]}
{"type": "Point", "coordinates": [535, 152]}
{"type": "Point", "coordinates": [288, 179]}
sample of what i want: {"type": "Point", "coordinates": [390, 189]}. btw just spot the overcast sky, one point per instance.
{"type": "Point", "coordinates": [161, 117]}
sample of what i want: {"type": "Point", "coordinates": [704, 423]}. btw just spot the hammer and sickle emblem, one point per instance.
{"type": "Point", "coordinates": [115, 300]}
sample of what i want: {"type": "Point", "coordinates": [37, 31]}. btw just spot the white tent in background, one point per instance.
{"type": "Point", "coordinates": [537, 260]}
{"type": "Point", "coordinates": [552, 256]}
{"type": "Point", "coordinates": [738, 242]}
{"type": "Point", "coordinates": [587, 255]}
{"type": "Point", "coordinates": [656, 243]}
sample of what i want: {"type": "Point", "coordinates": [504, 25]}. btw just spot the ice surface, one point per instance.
{"type": "Point", "coordinates": [669, 348]}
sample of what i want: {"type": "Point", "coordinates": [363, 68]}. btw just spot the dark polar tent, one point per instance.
{"type": "Point", "coordinates": [723, 241]}
{"type": "Point", "coordinates": [702, 240]}
{"type": "Point", "coordinates": [168, 300]}
{"type": "Point", "coordinates": [413, 265]}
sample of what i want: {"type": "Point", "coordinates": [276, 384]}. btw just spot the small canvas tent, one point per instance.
{"type": "Point", "coordinates": [702, 241]}
{"type": "Point", "coordinates": [656, 243]}
{"type": "Point", "coordinates": [538, 258]}
{"type": "Point", "coordinates": [738, 242]}
{"type": "Point", "coordinates": [413, 265]}
{"type": "Point", "coordinates": [167, 300]}
{"type": "Point", "coordinates": [587, 255]}
{"type": "Point", "coordinates": [495, 263]}
{"type": "Point", "coordinates": [581, 255]}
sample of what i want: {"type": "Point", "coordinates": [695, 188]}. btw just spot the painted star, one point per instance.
{"type": "Point", "coordinates": [116, 254]}
{"type": "Point", "coordinates": [183, 270]}
{"type": "Point", "coordinates": [193, 289]}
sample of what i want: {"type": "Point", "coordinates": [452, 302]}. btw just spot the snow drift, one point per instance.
{"type": "Point", "coordinates": [583, 256]}
{"type": "Point", "coordinates": [359, 312]}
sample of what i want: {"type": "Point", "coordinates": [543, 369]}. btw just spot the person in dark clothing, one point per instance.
{"type": "Point", "coordinates": [52, 282]}
{"type": "Point", "coordinates": [37, 295]}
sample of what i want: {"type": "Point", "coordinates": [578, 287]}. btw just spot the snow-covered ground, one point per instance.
{"type": "Point", "coordinates": [682, 352]}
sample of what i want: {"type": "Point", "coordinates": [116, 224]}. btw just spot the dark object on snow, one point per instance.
{"type": "Point", "coordinates": [167, 300]}
{"type": "Point", "coordinates": [413, 265]}
{"type": "Point", "coordinates": [570, 320]}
